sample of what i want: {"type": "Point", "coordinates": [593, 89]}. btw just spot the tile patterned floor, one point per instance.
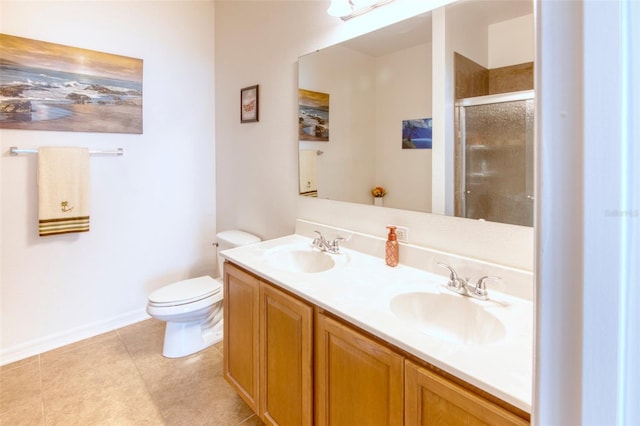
{"type": "Point", "coordinates": [120, 378]}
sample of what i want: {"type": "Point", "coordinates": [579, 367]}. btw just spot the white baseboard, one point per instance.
{"type": "Point", "coordinates": [53, 341]}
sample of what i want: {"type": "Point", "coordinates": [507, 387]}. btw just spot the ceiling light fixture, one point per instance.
{"type": "Point", "coordinates": [347, 9]}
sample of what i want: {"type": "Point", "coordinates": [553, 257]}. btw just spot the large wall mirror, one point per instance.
{"type": "Point", "coordinates": [367, 108]}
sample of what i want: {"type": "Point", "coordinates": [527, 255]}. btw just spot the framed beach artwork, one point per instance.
{"type": "Point", "coordinates": [249, 104]}
{"type": "Point", "coordinates": [47, 86]}
{"type": "Point", "coordinates": [416, 134]}
{"type": "Point", "coordinates": [313, 116]}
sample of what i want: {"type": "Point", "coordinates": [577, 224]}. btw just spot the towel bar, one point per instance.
{"type": "Point", "coordinates": [15, 151]}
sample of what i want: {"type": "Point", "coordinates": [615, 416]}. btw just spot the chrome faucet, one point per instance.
{"type": "Point", "coordinates": [321, 243]}
{"type": "Point", "coordinates": [461, 285]}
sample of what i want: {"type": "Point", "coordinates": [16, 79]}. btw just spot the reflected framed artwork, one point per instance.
{"type": "Point", "coordinates": [416, 134]}
{"type": "Point", "coordinates": [249, 104]}
{"type": "Point", "coordinates": [313, 116]}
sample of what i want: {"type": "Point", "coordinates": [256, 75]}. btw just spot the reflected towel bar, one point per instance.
{"type": "Point", "coordinates": [15, 151]}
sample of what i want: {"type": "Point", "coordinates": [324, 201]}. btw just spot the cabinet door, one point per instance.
{"type": "Point", "coordinates": [431, 399]}
{"type": "Point", "coordinates": [286, 360]}
{"type": "Point", "coordinates": [358, 381]}
{"type": "Point", "coordinates": [241, 332]}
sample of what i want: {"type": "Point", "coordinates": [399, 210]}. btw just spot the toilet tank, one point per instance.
{"type": "Point", "coordinates": [231, 239]}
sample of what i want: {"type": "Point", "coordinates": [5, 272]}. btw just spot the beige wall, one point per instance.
{"type": "Point", "coordinates": [346, 169]}
{"type": "Point", "coordinates": [376, 93]}
{"type": "Point", "coordinates": [403, 92]}
{"type": "Point", "coordinates": [152, 211]}
{"type": "Point", "coordinates": [257, 163]}
{"type": "Point", "coordinates": [512, 42]}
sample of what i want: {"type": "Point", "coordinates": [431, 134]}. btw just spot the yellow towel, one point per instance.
{"type": "Point", "coordinates": [63, 190]}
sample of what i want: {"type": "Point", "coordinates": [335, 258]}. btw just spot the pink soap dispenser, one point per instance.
{"type": "Point", "coordinates": [391, 251]}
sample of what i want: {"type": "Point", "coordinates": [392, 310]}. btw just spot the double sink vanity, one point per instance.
{"type": "Point", "coordinates": [313, 337]}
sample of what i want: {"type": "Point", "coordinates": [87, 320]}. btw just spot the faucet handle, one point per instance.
{"type": "Point", "coordinates": [455, 283]}
{"type": "Point", "coordinates": [318, 241]}
{"type": "Point", "coordinates": [320, 238]}
{"type": "Point", "coordinates": [453, 275]}
{"type": "Point", "coordinates": [480, 289]}
{"type": "Point", "coordinates": [335, 245]}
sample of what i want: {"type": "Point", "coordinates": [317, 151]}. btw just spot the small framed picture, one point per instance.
{"type": "Point", "coordinates": [249, 104]}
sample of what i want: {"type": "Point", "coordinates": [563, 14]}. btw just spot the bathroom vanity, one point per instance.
{"type": "Point", "coordinates": [317, 338]}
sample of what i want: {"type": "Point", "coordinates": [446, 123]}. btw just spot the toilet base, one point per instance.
{"type": "Point", "coordinates": [186, 338]}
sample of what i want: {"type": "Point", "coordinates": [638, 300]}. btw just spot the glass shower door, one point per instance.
{"type": "Point", "coordinates": [497, 153]}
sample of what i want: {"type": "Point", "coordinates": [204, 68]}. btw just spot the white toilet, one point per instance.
{"type": "Point", "coordinates": [193, 308]}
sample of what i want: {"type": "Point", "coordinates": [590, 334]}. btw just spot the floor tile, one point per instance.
{"type": "Point", "coordinates": [120, 378]}
{"type": "Point", "coordinates": [96, 384]}
{"type": "Point", "coordinates": [21, 394]}
{"type": "Point", "coordinates": [188, 390]}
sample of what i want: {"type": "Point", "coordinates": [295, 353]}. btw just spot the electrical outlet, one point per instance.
{"type": "Point", "coordinates": [403, 234]}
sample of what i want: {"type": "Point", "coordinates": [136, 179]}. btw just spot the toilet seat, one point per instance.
{"type": "Point", "coordinates": [186, 291]}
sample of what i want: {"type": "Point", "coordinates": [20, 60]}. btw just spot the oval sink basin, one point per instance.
{"type": "Point", "coordinates": [449, 317]}
{"type": "Point", "coordinates": [301, 260]}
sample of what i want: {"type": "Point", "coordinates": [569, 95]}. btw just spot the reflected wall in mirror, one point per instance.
{"type": "Point", "coordinates": [378, 80]}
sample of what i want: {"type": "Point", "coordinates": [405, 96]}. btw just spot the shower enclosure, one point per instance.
{"type": "Point", "coordinates": [494, 154]}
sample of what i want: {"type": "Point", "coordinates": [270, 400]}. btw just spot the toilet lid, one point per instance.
{"type": "Point", "coordinates": [186, 291]}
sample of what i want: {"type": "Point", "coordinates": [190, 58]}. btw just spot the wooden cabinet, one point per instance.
{"type": "Point", "coordinates": [268, 349]}
{"type": "Point", "coordinates": [358, 381]}
{"type": "Point", "coordinates": [286, 359]}
{"type": "Point", "coordinates": [241, 333]}
{"type": "Point", "coordinates": [294, 367]}
{"type": "Point", "coordinates": [431, 399]}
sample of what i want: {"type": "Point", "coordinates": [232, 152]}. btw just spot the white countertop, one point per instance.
{"type": "Point", "coordinates": [359, 289]}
